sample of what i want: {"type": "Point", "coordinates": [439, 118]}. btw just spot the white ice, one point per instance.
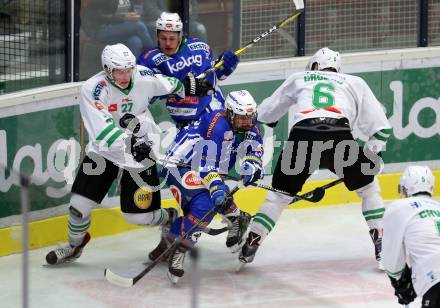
{"type": "Point", "coordinates": [314, 258]}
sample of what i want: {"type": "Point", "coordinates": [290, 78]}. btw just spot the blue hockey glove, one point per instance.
{"type": "Point", "coordinates": [220, 197]}
{"type": "Point", "coordinates": [230, 62]}
{"type": "Point", "coordinates": [218, 190]}
{"type": "Point", "coordinates": [252, 170]}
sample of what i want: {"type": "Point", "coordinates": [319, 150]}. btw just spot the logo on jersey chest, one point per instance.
{"type": "Point", "coordinates": [98, 89]}
{"type": "Point", "coordinates": [191, 180]}
{"type": "Point", "coordinates": [198, 46]}
{"type": "Point", "coordinates": [160, 58]}
{"type": "Point", "coordinates": [185, 62]}
{"type": "Point", "coordinates": [113, 107]}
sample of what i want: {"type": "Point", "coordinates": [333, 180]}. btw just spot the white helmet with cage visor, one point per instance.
{"type": "Point", "coordinates": [117, 57]}
{"type": "Point", "coordinates": [416, 179]}
{"type": "Point", "coordinates": [241, 110]}
{"type": "Point", "coordinates": [324, 58]}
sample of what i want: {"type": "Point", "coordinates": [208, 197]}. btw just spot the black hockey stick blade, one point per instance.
{"type": "Point", "coordinates": [213, 232]}
{"type": "Point", "coordinates": [318, 194]}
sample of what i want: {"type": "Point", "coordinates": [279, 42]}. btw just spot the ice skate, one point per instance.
{"type": "Point", "coordinates": [237, 226]}
{"type": "Point", "coordinates": [249, 249]}
{"type": "Point", "coordinates": [66, 253]}
{"type": "Point", "coordinates": [164, 243]}
{"type": "Point", "coordinates": [175, 265]}
{"type": "Point", "coordinates": [376, 236]}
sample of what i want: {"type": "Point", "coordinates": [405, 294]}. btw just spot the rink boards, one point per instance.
{"type": "Point", "coordinates": [34, 123]}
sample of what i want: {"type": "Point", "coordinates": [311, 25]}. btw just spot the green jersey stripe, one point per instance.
{"type": "Point", "coordinates": [113, 137]}
{"type": "Point", "coordinates": [379, 137]}
{"type": "Point", "coordinates": [267, 218]}
{"type": "Point", "coordinates": [105, 132]}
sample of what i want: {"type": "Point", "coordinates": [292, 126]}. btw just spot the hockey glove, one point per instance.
{"type": "Point", "coordinates": [403, 287]}
{"type": "Point", "coordinates": [218, 190]}
{"type": "Point", "coordinates": [129, 121]}
{"type": "Point", "coordinates": [252, 170]}
{"type": "Point", "coordinates": [140, 149]}
{"type": "Point", "coordinates": [197, 87]}
{"type": "Point", "coordinates": [230, 62]}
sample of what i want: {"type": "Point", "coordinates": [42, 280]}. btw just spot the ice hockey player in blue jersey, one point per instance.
{"type": "Point", "coordinates": [211, 147]}
{"type": "Point", "coordinates": [183, 58]}
{"type": "Point", "coordinates": [177, 56]}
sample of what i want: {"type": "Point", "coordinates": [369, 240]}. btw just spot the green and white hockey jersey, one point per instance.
{"type": "Point", "coordinates": [411, 235]}
{"type": "Point", "coordinates": [104, 107]}
{"type": "Point", "coordinates": [315, 94]}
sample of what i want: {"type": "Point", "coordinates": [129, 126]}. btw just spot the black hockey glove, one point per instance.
{"type": "Point", "coordinates": [140, 149]}
{"type": "Point", "coordinates": [128, 120]}
{"type": "Point", "coordinates": [197, 87]}
{"type": "Point", "coordinates": [403, 287]}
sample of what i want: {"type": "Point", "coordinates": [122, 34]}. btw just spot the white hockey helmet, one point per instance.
{"type": "Point", "coordinates": [117, 56]}
{"type": "Point", "coordinates": [416, 179]}
{"type": "Point", "coordinates": [169, 22]}
{"type": "Point", "coordinates": [325, 58]}
{"type": "Point", "coordinates": [241, 110]}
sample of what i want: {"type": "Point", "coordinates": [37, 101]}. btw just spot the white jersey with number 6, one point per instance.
{"type": "Point", "coordinates": [411, 235]}
{"type": "Point", "coordinates": [314, 94]}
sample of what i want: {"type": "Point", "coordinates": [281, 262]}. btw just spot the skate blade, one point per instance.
{"type": "Point", "coordinates": [240, 266]}
{"type": "Point", "coordinates": [236, 248]}
{"type": "Point", "coordinates": [174, 279]}
{"type": "Point", "coordinates": [380, 266]}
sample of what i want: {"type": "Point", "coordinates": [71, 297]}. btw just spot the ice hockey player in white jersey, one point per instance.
{"type": "Point", "coordinates": [324, 105]}
{"type": "Point", "coordinates": [411, 239]}
{"type": "Point", "coordinates": [114, 108]}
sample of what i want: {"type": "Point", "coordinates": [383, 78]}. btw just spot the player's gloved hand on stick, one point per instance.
{"type": "Point", "coordinates": [230, 60]}
{"type": "Point", "coordinates": [403, 287]}
{"type": "Point", "coordinates": [197, 87]}
{"type": "Point", "coordinates": [140, 148]}
{"type": "Point", "coordinates": [252, 170]}
{"type": "Point", "coordinates": [220, 196]}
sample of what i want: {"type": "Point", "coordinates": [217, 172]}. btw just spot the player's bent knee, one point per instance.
{"type": "Point", "coordinates": [370, 189]}
{"type": "Point", "coordinates": [80, 206]}
{"type": "Point", "coordinates": [140, 219]}
{"type": "Point", "coordinates": [278, 199]}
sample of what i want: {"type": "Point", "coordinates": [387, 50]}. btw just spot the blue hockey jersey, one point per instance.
{"type": "Point", "coordinates": [194, 56]}
{"type": "Point", "coordinates": [210, 144]}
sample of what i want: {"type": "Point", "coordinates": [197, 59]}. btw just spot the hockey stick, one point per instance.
{"type": "Point", "coordinates": [299, 5]}
{"type": "Point", "coordinates": [313, 196]}
{"type": "Point", "coordinates": [317, 193]}
{"type": "Point", "coordinates": [130, 281]}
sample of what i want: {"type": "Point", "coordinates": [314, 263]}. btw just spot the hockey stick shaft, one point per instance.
{"type": "Point", "coordinates": [128, 282]}
{"type": "Point", "coordinates": [295, 199]}
{"type": "Point", "coordinates": [269, 31]}
{"type": "Point", "coordinates": [232, 178]}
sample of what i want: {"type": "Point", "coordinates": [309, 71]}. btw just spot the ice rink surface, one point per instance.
{"type": "Point", "coordinates": [314, 258]}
